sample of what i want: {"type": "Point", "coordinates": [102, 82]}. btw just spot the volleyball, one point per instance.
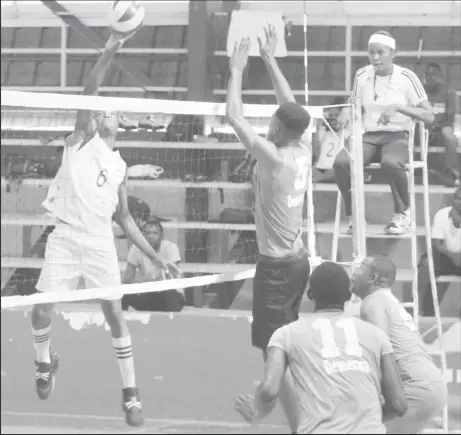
{"type": "Point", "coordinates": [126, 16]}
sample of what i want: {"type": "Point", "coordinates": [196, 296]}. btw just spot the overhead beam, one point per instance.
{"type": "Point", "coordinates": [96, 41]}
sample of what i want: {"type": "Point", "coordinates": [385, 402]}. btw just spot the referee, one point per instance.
{"type": "Point", "coordinates": [391, 97]}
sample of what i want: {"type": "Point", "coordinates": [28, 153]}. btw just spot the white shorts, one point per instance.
{"type": "Point", "coordinates": [73, 254]}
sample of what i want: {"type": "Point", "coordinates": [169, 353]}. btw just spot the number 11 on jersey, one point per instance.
{"type": "Point", "coordinates": [330, 337]}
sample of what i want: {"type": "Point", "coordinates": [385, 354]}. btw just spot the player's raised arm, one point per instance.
{"type": "Point", "coordinates": [126, 222]}
{"type": "Point", "coordinates": [267, 48]}
{"type": "Point", "coordinates": [85, 123]}
{"type": "Point", "coordinates": [259, 147]}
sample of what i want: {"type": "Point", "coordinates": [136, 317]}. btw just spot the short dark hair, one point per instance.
{"type": "Point", "coordinates": [153, 221]}
{"type": "Point", "coordinates": [138, 208]}
{"type": "Point", "coordinates": [330, 284]}
{"type": "Point", "coordinates": [294, 117]}
{"type": "Point", "coordinates": [384, 268]}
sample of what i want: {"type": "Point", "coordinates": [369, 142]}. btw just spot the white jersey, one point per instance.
{"type": "Point", "coordinates": [330, 146]}
{"type": "Point", "coordinates": [84, 193]}
{"type": "Point", "coordinates": [377, 93]}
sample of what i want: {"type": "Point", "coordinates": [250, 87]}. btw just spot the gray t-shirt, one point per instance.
{"type": "Point", "coordinates": [335, 361]}
{"type": "Point", "coordinates": [279, 201]}
{"type": "Point", "coordinates": [383, 309]}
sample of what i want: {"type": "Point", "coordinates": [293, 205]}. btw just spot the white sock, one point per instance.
{"type": "Point", "coordinates": [42, 344]}
{"type": "Point", "coordinates": [125, 359]}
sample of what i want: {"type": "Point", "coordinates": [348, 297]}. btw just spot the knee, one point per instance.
{"type": "Point", "coordinates": [113, 314]}
{"type": "Point", "coordinates": [447, 133]}
{"type": "Point", "coordinates": [41, 312]}
{"type": "Point", "coordinates": [392, 163]}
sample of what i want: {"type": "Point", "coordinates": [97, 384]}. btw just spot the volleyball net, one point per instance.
{"type": "Point", "coordinates": [184, 162]}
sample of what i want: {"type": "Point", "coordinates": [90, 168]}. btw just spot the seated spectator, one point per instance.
{"type": "Point", "coordinates": [443, 100]}
{"type": "Point", "coordinates": [328, 140]}
{"type": "Point", "coordinates": [141, 269]}
{"type": "Point", "coordinates": [446, 248]}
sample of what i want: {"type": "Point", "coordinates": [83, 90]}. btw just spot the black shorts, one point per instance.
{"type": "Point", "coordinates": [278, 288]}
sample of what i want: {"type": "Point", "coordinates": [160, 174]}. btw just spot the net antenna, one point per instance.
{"type": "Point", "coordinates": [311, 234]}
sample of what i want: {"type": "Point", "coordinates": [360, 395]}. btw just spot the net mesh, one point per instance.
{"type": "Point", "coordinates": [185, 166]}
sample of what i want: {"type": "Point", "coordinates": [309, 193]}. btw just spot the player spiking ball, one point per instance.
{"type": "Point", "coordinates": [88, 191]}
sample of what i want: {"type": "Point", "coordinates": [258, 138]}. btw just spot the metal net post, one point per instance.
{"type": "Point", "coordinates": [359, 248]}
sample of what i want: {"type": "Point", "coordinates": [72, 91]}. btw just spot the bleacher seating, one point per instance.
{"type": "Point", "coordinates": [38, 66]}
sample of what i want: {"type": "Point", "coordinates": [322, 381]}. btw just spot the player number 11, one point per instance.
{"type": "Point", "coordinates": [327, 327]}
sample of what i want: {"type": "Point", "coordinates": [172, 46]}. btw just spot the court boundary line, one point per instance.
{"type": "Point", "coordinates": [161, 422]}
{"type": "Point", "coordinates": [147, 420]}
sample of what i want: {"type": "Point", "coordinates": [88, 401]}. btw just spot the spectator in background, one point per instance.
{"type": "Point", "coordinates": [328, 139]}
{"type": "Point", "coordinates": [141, 269]}
{"type": "Point", "coordinates": [446, 244]}
{"type": "Point", "coordinates": [443, 100]}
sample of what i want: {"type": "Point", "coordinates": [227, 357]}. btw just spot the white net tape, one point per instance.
{"type": "Point", "coordinates": [42, 114]}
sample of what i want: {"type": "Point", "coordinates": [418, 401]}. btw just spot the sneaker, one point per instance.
{"type": "Point", "coordinates": [400, 223]}
{"type": "Point", "coordinates": [45, 376]}
{"type": "Point", "coordinates": [132, 407]}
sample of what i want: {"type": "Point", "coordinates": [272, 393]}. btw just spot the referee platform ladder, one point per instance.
{"type": "Point", "coordinates": [359, 224]}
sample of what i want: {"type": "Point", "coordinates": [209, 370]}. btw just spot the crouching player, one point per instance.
{"type": "Point", "coordinates": [423, 383]}
{"type": "Point", "coordinates": [340, 366]}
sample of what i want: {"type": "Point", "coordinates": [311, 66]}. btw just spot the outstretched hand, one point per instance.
{"type": "Point", "coordinates": [168, 269]}
{"type": "Point", "coordinates": [267, 48]}
{"type": "Point", "coordinates": [244, 405]}
{"type": "Point", "coordinates": [239, 58]}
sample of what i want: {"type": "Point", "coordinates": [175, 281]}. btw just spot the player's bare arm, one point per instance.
{"type": "Point", "coordinates": [255, 409]}
{"type": "Point", "coordinates": [267, 49]}
{"type": "Point", "coordinates": [422, 112]}
{"type": "Point", "coordinates": [128, 225]}
{"type": "Point", "coordinates": [395, 402]}
{"type": "Point", "coordinates": [129, 274]}
{"type": "Point", "coordinates": [85, 125]}
{"type": "Point", "coordinates": [262, 149]}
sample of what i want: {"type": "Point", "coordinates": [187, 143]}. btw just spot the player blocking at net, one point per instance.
{"type": "Point", "coordinates": [423, 383]}
{"type": "Point", "coordinates": [341, 366]}
{"type": "Point", "coordinates": [280, 182]}
{"type": "Point", "coordinates": [88, 191]}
